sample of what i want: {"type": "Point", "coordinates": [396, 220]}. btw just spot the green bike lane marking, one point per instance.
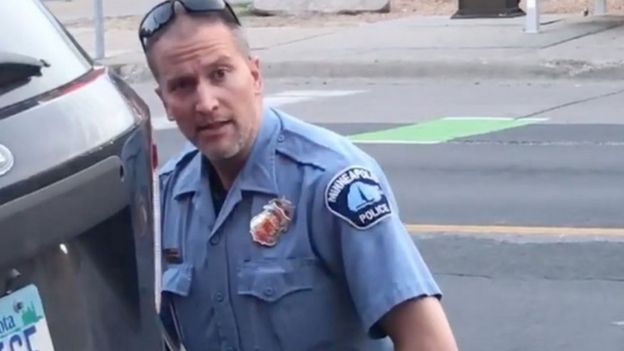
{"type": "Point", "coordinates": [442, 130]}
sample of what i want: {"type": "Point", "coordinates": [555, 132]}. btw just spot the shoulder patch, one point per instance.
{"type": "Point", "coordinates": [355, 195]}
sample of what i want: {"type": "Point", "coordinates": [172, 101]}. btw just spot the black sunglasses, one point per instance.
{"type": "Point", "coordinates": [160, 15]}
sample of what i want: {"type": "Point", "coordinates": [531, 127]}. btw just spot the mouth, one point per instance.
{"type": "Point", "coordinates": [213, 127]}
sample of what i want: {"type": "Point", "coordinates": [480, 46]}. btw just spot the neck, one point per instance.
{"type": "Point", "coordinates": [229, 169]}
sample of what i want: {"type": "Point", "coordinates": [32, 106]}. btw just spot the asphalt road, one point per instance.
{"type": "Point", "coordinates": [507, 287]}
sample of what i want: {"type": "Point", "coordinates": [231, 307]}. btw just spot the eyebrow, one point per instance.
{"type": "Point", "coordinates": [221, 59]}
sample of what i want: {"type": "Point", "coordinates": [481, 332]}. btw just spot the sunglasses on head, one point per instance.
{"type": "Point", "coordinates": [162, 14]}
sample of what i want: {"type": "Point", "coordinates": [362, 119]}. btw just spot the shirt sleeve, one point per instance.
{"type": "Point", "coordinates": [367, 244]}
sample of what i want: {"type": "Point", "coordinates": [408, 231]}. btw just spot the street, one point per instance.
{"type": "Point", "coordinates": [512, 190]}
{"type": "Point", "coordinates": [561, 171]}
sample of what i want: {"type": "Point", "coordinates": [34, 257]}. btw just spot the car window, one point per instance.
{"type": "Point", "coordinates": [35, 33]}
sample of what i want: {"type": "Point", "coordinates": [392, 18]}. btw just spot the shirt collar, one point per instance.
{"type": "Point", "coordinates": [258, 174]}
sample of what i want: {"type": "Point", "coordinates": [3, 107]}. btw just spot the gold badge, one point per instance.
{"type": "Point", "coordinates": [266, 227]}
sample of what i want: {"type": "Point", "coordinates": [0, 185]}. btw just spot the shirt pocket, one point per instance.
{"type": "Point", "coordinates": [192, 315]}
{"type": "Point", "coordinates": [293, 300]}
{"type": "Point", "coordinates": [271, 280]}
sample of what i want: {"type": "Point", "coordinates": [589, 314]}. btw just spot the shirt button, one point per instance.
{"type": "Point", "coordinates": [219, 297]}
{"type": "Point", "coordinates": [215, 240]}
{"type": "Point", "coordinates": [281, 138]}
{"type": "Point", "coordinates": [268, 292]}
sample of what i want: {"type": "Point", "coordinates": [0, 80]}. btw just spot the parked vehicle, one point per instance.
{"type": "Point", "coordinates": [77, 258]}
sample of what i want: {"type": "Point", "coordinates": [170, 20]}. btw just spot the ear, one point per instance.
{"type": "Point", "coordinates": [159, 92]}
{"type": "Point", "coordinates": [256, 73]}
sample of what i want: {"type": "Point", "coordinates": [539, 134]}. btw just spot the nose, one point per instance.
{"type": "Point", "coordinates": [207, 101]}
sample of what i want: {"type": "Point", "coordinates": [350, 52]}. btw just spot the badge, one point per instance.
{"type": "Point", "coordinates": [356, 196]}
{"type": "Point", "coordinates": [268, 225]}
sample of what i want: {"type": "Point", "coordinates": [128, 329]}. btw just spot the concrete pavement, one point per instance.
{"type": "Point", "coordinates": [72, 10]}
{"type": "Point", "coordinates": [570, 46]}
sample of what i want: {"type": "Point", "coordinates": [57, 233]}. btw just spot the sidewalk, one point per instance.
{"type": "Point", "coordinates": [71, 10]}
{"type": "Point", "coordinates": [570, 46]}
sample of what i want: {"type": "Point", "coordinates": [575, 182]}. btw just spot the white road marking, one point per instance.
{"type": "Point", "coordinates": [478, 118]}
{"type": "Point", "coordinates": [426, 142]}
{"type": "Point", "coordinates": [279, 99]}
{"type": "Point", "coordinates": [530, 119]}
{"type": "Point", "coordinates": [318, 93]}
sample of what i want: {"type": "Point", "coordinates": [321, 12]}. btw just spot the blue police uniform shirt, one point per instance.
{"type": "Point", "coordinates": [344, 260]}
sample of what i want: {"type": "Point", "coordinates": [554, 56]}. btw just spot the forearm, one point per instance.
{"type": "Point", "coordinates": [438, 342]}
{"type": "Point", "coordinates": [446, 345]}
{"type": "Point", "coordinates": [421, 325]}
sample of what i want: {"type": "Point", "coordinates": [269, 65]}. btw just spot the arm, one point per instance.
{"type": "Point", "coordinates": [419, 325]}
{"type": "Point", "coordinates": [391, 285]}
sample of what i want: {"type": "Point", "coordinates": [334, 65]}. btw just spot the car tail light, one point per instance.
{"type": "Point", "coordinates": [74, 85]}
{"type": "Point", "coordinates": [83, 81]}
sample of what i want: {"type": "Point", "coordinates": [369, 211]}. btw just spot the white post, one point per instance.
{"type": "Point", "coordinates": [533, 16]}
{"type": "Point", "coordinates": [157, 243]}
{"type": "Point", "coordinates": [98, 17]}
{"type": "Point", "coordinates": [600, 7]}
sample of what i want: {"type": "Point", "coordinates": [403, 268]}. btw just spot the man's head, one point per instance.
{"type": "Point", "coordinates": [208, 82]}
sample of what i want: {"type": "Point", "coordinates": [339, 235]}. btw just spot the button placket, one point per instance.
{"type": "Point", "coordinates": [219, 297]}
{"type": "Point", "coordinates": [218, 271]}
{"type": "Point", "coordinates": [215, 240]}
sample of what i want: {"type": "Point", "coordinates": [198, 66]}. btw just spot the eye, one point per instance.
{"type": "Point", "coordinates": [181, 84]}
{"type": "Point", "coordinates": [218, 74]}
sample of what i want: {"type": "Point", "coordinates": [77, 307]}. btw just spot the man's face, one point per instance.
{"type": "Point", "coordinates": [208, 86]}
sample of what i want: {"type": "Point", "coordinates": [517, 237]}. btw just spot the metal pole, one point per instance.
{"type": "Point", "coordinates": [98, 17]}
{"type": "Point", "coordinates": [600, 7]}
{"type": "Point", "coordinates": [157, 243]}
{"type": "Point", "coordinates": [532, 17]}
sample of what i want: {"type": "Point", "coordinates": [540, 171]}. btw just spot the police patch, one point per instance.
{"type": "Point", "coordinates": [355, 195]}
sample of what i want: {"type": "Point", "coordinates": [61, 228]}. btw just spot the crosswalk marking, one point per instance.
{"type": "Point", "coordinates": [282, 98]}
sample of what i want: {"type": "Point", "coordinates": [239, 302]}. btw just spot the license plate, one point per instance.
{"type": "Point", "coordinates": [23, 325]}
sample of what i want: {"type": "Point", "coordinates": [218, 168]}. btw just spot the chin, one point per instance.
{"type": "Point", "coordinates": [221, 154]}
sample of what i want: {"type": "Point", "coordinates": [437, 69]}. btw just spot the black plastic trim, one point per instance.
{"type": "Point", "coordinates": [89, 158]}
{"type": "Point", "coordinates": [61, 211]}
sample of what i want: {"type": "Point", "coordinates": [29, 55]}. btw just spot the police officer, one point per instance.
{"type": "Point", "coordinates": [277, 234]}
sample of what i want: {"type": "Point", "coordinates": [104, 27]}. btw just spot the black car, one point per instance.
{"type": "Point", "coordinates": [77, 257]}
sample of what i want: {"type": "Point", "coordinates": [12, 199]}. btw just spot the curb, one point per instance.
{"type": "Point", "coordinates": [469, 69]}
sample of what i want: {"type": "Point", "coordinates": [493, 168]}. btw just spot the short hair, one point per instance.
{"type": "Point", "coordinates": [237, 31]}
